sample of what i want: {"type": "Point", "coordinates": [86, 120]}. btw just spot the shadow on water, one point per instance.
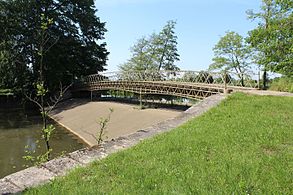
{"type": "Point", "coordinates": [20, 128]}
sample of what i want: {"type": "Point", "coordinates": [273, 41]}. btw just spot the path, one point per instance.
{"type": "Point", "coordinates": [267, 92]}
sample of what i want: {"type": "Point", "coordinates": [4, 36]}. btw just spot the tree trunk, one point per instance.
{"type": "Point", "coordinates": [163, 55]}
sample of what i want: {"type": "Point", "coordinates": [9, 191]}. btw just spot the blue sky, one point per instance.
{"type": "Point", "coordinates": [200, 24]}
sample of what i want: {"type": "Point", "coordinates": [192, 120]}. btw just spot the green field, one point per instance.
{"type": "Point", "coordinates": [243, 146]}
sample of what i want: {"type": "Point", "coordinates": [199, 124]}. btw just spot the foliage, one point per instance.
{"type": "Point", "coordinates": [282, 84]}
{"type": "Point", "coordinates": [244, 146]}
{"type": "Point", "coordinates": [156, 52]}
{"type": "Point", "coordinates": [204, 77]}
{"type": "Point", "coordinates": [32, 158]}
{"type": "Point", "coordinates": [47, 130]}
{"type": "Point", "coordinates": [273, 37]}
{"type": "Point", "coordinates": [199, 77]}
{"type": "Point", "coordinates": [232, 53]}
{"type": "Point", "coordinates": [103, 124]}
{"type": "Point", "coordinates": [6, 92]}
{"type": "Point", "coordinates": [45, 108]}
{"type": "Point", "coordinates": [66, 35]}
{"type": "Point", "coordinates": [189, 76]}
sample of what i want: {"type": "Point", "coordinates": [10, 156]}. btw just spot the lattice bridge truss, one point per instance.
{"type": "Point", "coordinates": [186, 84]}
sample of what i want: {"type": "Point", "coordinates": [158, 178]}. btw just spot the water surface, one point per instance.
{"type": "Point", "coordinates": [19, 128]}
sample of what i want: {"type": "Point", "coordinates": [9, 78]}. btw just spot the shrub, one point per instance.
{"type": "Point", "coordinates": [282, 84]}
{"type": "Point", "coordinates": [6, 92]}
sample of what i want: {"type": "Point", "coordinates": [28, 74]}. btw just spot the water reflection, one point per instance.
{"type": "Point", "coordinates": [19, 128]}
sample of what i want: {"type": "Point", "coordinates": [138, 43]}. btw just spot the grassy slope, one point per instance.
{"type": "Point", "coordinates": [245, 145]}
{"type": "Point", "coordinates": [282, 84]}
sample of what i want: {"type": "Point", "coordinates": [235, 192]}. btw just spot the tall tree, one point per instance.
{"type": "Point", "coordinates": [273, 37]}
{"type": "Point", "coordinates": [13, 70]}
{"type": "Point", "coordinates": [156, 52]}
{"type": "Point", "coordinates": [166, 44]}
{"type": "Point", "coordinates": [232, 53]}
{"type": "Point", "coordinates": [143, 56]}
{"type": "Point", "coordinates": [69, 48]}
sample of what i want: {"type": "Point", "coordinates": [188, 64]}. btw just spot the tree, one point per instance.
{"type": "Point", "coordinates": [166, 44]}
{"type": "Point", "coordinates": [232, 53]}
{"type": "Point", "coordinates": [71, 48]}
{"type": "Point", "coordinates": [156, 52]}
{"type": "Point", "coordinates": [143, 56]}
{"type": "Point", "coordinates": [51, 42]}
{"type": "Point", "coordinates": [13, 71]}
{"type": "Point", "coordinates": [273, 37]}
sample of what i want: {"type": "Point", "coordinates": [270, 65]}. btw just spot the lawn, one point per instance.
{"type": "Point", "coordinates": [243, 146]}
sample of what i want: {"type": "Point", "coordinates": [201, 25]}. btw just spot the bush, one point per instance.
{"type": "Point", "coordinates": [6, 92]}
{"type": "Point", "coordinates": [282, 84]}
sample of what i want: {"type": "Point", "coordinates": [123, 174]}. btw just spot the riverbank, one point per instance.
{"type": "Point", "coordinates": [243, 146]}
{"type": "Point", "coordinates": [82, 117]}
{"type": "Point", "coordinates": [58, 167]}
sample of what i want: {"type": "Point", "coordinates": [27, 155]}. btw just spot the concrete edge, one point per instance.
{"type": "Point", "coordinates": [35, 176]}
{"type": "Point", "coordinates": [78, 136]}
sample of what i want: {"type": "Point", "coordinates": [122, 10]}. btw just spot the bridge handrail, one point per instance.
{"type": "Point", "coordinates": [227, 78]}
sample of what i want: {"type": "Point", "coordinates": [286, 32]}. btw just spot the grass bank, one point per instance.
{"type": "Point", "coordinates": [282, 84]}
{"type": "Point", "coordinates": [243, 146]}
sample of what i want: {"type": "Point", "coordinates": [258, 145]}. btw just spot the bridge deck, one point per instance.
{"type": "Point", "coordinates": [188, 90]}
{"type": "Point", "coordinates": [198, 86]}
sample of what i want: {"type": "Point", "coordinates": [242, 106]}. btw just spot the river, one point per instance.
{"type": "Point", "coordinates": [20, 128]}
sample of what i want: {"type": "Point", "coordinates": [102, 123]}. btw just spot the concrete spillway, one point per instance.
{"type": "Point", "coordinates": [82, 118]}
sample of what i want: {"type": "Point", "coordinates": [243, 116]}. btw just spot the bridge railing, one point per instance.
{"type": "Point", "coordinates": [218, 79]}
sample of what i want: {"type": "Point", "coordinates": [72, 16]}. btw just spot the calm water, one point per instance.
{"type": "Point", "coordinates": [19, 128]}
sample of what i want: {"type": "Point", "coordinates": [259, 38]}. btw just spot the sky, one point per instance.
{"type": "Point", "coordinates": [200, 24]}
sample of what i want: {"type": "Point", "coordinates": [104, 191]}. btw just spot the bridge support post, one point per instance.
{"type": "Point", "coordinates": [225, 83]}
{"type": "Point", "coordinates": [258, 81]}
{"type": "Point", "coordinates": [140, 100]}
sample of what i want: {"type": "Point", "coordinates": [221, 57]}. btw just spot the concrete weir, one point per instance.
{"type": "Point", "coordinates": [35, 176]}
{"type": "Point", "coordinates": [82, 118]}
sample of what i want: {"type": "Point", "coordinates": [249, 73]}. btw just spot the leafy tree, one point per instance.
{"type": "Point", "coordinates": [232, 53]}
{"type": "Point", "coordinates": [166, 45]}
{"type": "Point", "coordinates": [156, 52]}
{"type": "Point", "coordinates": [13, 71]}
{"type": "Point", "coordinates": [273, 37]}
{"type": "Point", "coordinates": [143, 56]}
{"type": "Point", "coordinates": [45, 43]}
{"type": "Point", "coordinates": [70, 47]}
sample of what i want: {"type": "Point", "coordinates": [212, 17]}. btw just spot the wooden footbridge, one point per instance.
{"type": "Point", "coordinates": [187, 84]}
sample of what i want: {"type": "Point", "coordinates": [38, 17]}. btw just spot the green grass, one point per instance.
{"type": "Point", "coordinates": [282, 84]}
{"type": "Point", "coordinates": [244, 146]}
